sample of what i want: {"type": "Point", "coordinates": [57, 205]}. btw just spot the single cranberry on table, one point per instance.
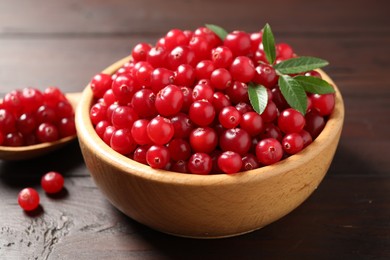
{"type": "Point", "coordinates": [28, 199]}
{"type": "Point", "coordinates": [52, 182]}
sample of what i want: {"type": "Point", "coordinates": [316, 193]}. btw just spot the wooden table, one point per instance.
{"type": "Point", "coordinates": [64, 43]}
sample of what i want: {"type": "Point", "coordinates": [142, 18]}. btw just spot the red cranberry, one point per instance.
{"type": "Point", "coordinates": [238, 42]}
{"type": "Point", "coordinates": [203, 139]}
{"type": "Point", "coordinates": [230, 162]}
{"type": "Point", "coordinates": [122, 141]}
{"type": "Point", "coordinates": [315, 123]}
{"type": "Point", "coordinates": [140, 51]}
{"type": "Point", "coordinates": [158, 156]}
{"type": "Point", "coordinates": [292, 143]}
{"type": "Point", "coordinates": [265, 75]}
{"type": "Point", "coordinates": [291, 121]}
{"type": "Point", "coordinates": [229, 117]}
{"type": "Point", "coordinates": [236, 139]}
{"type": "Point", "coordinates": [269, 151]}
{"type": "Point", "coordinates": [169, 100]}
{"type": "Point", "coordinates": [242, 69]}
{"type": "Point", "coordinates": [202, 113]}
{"type": "Point", "coordinates": [222, 57]}
{"type": "Point", "coordinates": [28, 199]}
{"type": "Point", "coordinates": [160, 130]}
{"type": "Point", "coordinates": [179, 149]}
{"type": "Point", "coordinates": [324, 103]}
{"type": "Point", "coordinates": [200, 163]}
{"type": "Point", "coordinates": [52, 182]}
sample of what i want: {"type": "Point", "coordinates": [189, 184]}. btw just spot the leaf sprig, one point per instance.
{"type": "Point", "coordinates": [293, 88]}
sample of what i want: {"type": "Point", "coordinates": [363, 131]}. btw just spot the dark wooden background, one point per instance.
{"type": "Point", "coordinates": [64, 43]}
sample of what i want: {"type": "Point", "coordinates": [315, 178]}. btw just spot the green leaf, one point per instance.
{"type": "Point", "coordinates": [293, 92]}
{"type": "Point", "coordinates": [300, 64]}
{"type": "Point", "coordinates": [222, 33]}
{"type": "Point", "coordinates": [258, 97]}
{"type": "Point", "coordinates": [269, 44]}
{"type": "Point", "coordinates": [314, 85]}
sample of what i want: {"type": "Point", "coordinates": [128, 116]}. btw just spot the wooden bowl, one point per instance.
{"type": "Point", "coordinates": [209, 206]}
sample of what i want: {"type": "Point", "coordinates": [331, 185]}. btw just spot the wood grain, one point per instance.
{"type": "Point", "coordinates": [65, 43]}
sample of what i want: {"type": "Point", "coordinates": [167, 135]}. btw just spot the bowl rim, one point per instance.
{"type": "Point", "coordinates": [87, 134]}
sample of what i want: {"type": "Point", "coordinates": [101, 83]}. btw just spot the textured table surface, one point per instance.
{"type": "Point", "coordinates": [64, 43]}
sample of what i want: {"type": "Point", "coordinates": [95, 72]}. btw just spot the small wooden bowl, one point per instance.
{"type": "Point", "coordinates": [210, 206]}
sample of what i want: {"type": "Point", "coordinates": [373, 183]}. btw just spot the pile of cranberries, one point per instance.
{"type": "Point", "coordinates": [183, 105]}
{"type": "Point", "coordinates": [29, 116]}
